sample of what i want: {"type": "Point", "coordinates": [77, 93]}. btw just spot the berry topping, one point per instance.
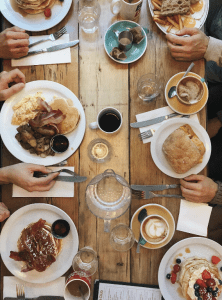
{"type": "Point", "coordinates": [216, 289]}
{"type": "Point", "coordinates": [196, 293]}
{"type": "Point", "coordinates": [207, 296]}
{"type": "Point", "coordinates": [173, 277]}
{"type": "Point", "coordinates": [220, 282]}
{"type": "Point", "coordinates": [168, 276]}
{"type": "Point", "coordinates": [176, 268]}
{"type": "Point", "coordinates": [196, 286]}
{"type": "Point", "coordinates": [221, 269]}
{"type": "Point", "coordinates": [178, 260]}
{"type": "Point", "coordinates": [215, 260]}
{"type": "Point", "coordinates": [202, 290]}
{"type": "Point", "coordinates": [61, 0]}
{"type": "Point", "coordinates": [214, 298]}
{"type": "Point", "coordinates": [206, 275]}
{"type": "Point", "coordinates": [47, 12]}
{"type": "Point", "coordinates": [199, 298]}
{"type": "Point", "coordinates": [201, 283]}
{"type": "Point", "coordinates": [210, 282]}
{"type": "Point", "coordinates": [214, 293]}
{"type": "Point", "coordinates": [209, 289]}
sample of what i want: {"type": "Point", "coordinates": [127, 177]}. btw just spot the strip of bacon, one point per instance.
{"type": "Point", "coordinates": [44, 118]}
{"type": "Point", "coordinates": [43, 105]}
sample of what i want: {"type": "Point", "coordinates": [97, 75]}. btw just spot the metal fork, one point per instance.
{"type": "Point", "coordinates": [20, 291]}
{"type": "Point", "coordinates": [54, 36]}
{"type": "Point", "coordinates": [149, 195]}
{"type": "Point", "coordinates": [39, 174]}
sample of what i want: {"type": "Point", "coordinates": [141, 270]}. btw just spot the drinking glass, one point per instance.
{"type": "Point", "coordinates": [148, 87]}
{"type": "Point", "coordinates": [121, 237]}
{"type": "Point", "coordinates": [85, 260]}
{"type": "Point", "coordinates": [88, 15]}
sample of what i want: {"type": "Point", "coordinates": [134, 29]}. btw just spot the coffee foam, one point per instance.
{"type": "Point", "coordinates": [154, 229]}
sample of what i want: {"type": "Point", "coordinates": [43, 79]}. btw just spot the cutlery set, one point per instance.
{"type": "Point", "coordinates": [73, 178]}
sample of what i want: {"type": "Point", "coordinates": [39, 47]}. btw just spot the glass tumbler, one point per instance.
{"type": "Point", "coordinates": [121, 237]}
{"type": "Point", "coordinates": [85, 260]}
{"type": "Point", "coordinates": [148, 87]}
{"type": "Point", "coordinates": [88, 15]}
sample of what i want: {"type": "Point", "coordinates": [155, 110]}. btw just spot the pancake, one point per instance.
{"type": "Point", "coordinates": [72, 118]}
{"type": "Point", "coordinates": [34, 6]}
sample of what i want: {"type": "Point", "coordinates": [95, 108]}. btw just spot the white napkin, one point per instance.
{"type": "Point", "coordinates": [57, 57]}
{"type": "Point", "coordinates": [53, 288]}
{"type": "Point", "coordinates": [155, 114]}
{"type": "Point", "coordinates": [194, 217]}
{"type": "Point", "coordinates": [60, 189]}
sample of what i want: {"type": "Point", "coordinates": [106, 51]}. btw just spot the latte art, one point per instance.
{"type": "Point", "coordinates": [155, 228]}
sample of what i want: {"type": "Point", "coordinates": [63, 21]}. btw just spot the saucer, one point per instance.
{"type": "Point", "coordinates": [153, 209]}
{"type": "Point", "coordinates": [111, 41]}
{"type": "Point", "coordinates": [179, 107]}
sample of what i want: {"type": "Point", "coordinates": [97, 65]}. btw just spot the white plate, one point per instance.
{"type": "Point", "coordinates": [199, 23]}
{"type": "Point", "coordinates": [198, 246]}
{"type": "Point", "coordinates": [36, 22]}
{"type": "Point", "coordinates": [8, 131]}
{"type": "Point", "coordinates": [12, 230]}
{"type": "Point", "coordinates": [163, 132]}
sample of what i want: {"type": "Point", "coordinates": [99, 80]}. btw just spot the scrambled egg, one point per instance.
{"type": "Point", "coordinates": [24, 110]}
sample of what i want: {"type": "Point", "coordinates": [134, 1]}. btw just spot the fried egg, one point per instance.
{"type": "Point", "coordinates": [198, 9]}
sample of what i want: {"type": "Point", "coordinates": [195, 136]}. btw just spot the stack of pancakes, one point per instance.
{"type": "Point", "coordinates": [34, 6]}
{"type": "Point", "coordinates": [190, 269]}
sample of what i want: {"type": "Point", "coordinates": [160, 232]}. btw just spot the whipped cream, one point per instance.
{"type": "Point", "coordinates": [155, 228]}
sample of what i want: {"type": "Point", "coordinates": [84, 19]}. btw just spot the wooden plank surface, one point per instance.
{"type": "Point", "coordinates": [100, 82]}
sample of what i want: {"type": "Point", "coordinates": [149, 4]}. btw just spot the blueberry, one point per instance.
{"type": "Point", "coordinates": [221, 269]}
{"type": "Point", "coordinates": [220, 282]}
{"type": "Point", "coordinates": [214, 294]}
{"type": "Point", "coordinates": [196, 286]}
{"type": "Point", "coordinates": [216, 289]}
{"type": "Point", "coordinates": [197, 293]}
{"type": "Point", "coordinates": [199, 298]}
{"type": "Point", "coordinates": [209, 289]}
{"type": "Point", "coordinates": [178, 260]}
{"type": "Point", "coordinates": [168, 276]}
{"type": "Point", "coordinates": [61, 0]}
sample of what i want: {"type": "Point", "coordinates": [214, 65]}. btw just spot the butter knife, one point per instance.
{"type": "Point", "coordinates": [153, 121]}
{"type": "Point", "coordinates": [38, 298]}
{"type": "Point", "coordinates": [159, 187]}
{"type": "Point", "coordinates": [53, 48]}
{"type": "Point", "coordinates": [70, 178]}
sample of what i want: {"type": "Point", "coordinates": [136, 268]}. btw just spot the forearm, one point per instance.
{"type": "Point", "coordinates": [4, 177]}
{"type": "Point", "coordinates": [214, 51]}
{"type": "Point", "coordinates": [218, 197]}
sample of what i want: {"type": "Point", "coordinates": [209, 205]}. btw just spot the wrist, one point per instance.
{"type": "Point", "coordinates": [218, 194]}
{"type": "Point", "coordinates": [4, 175]}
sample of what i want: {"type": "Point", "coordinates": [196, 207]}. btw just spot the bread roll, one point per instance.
{"type": "Point", "coordinates": [183, 149]}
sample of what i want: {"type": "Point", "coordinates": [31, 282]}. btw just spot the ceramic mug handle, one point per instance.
{"type": "Point", "coordinates": [93, 125]}
{"type": "Point", "coordinates": [115, 6]}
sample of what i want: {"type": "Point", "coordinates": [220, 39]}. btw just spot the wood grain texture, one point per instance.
{"type": "Point", "coordinates": [99, 82]}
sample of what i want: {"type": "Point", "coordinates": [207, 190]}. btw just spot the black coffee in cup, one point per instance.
{"type": "Point", "coordinates": [110, 121]}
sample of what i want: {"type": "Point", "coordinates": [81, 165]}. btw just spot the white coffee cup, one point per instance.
{"type": "Point", "coordinates": [150, 231]}
{"type": "Point", "coordinates": [109, 120]}
{"type": "Point", "coordinates": [76, 280]}
{"type": "Point", "coordinates": [127, 10]}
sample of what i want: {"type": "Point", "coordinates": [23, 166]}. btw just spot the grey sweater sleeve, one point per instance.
{"type": "Point", "coordinates": [218, 197]}
{"type": "Point", "coordinates": [214, 51]}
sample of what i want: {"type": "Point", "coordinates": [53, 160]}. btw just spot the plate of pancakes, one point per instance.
{"type": "Point", "coordinates": [29, 14]}
{"type": "Point", "coordinates": [11, 237]}
{"type": "Point", "coordinates": [57, 95]}
{"type": "Point", "coordinates": [171, 15]}
{"type": "Point", "coordinates": [193, 255]}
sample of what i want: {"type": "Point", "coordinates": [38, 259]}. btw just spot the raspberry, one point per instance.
{"type": "Point", "coordinates": [173, 277]}
{"type": "Point", "coordinates": [202, 290]}
{"type": "Point", "coordinates": [215, 260]}
{"type": "Point", "coordinates": [176, 268]}
{"type": "Point", "coordinates": [47, 12]}
{"type": "Point", "coordinates": [207, 296]}
{"type": "Point", "coordinates": [206, 275]}
{"type": "Point", "coordinates": [210, 282]}
{"type": "Point", "coordinates": [201, 283]}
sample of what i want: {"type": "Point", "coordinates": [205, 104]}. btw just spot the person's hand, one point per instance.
{"type": "Point", "coordinates": [4, 212]}
{"type": "Point", "coordinates": [213, 126]}
{"type": "Point", "coordinates": [22, 175]}
{"type": "Point", "coordinates": [14, 43]}
{"type": "Point", "coordinates": [198, 188]}
{"type": "Point", "coordinates": [188, 48]}
{"type": "Point", "coordinates": [14, 76]}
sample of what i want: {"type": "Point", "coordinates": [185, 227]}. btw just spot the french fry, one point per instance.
{"type": "Point", "coordinates": [173, 22]}
{"type": "Point", "coordinates": [156, 6]}
{"type": "Point", "coordinates": [176, 18]}
{"type": "Point", "coordinates": [157, 12]}
{"type": "Point", "coordinates": [158, 2]}
{"type": "Point", "coordinates": [180, 22]}
{"type": "Point", "coordinates": [169, 28]}
{"type": "Point", "coordinates": [158, 20]}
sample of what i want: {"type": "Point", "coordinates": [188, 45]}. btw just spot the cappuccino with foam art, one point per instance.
{"type": "Point", "coordinates": [155, 229]}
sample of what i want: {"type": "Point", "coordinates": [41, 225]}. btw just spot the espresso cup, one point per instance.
{"type": "Point", "coordinates": [154, 229]}
{"type": "Point", "coordinates": [109, 120]}
{"type": "Point", "coordinates": [125, 40]}
{"type": "Point", "coordinates": [128, 10]}
{"type": "Point", "coordinates": [77, 283]}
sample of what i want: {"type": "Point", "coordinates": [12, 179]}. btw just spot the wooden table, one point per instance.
{"type": "Point", "coordinates": [99, 82]}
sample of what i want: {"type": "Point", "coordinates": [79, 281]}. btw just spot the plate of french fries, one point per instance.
{"type": "Point", "coordinates": [195, 17]}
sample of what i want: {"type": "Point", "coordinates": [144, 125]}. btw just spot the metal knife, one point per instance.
{"type": "Point", "coordinates": [38, 298]}
{"type": "Point", "coordinates": [153, 121]}
{"type": "Point", "coordinates": [70, 178]}
{"type": "Point", "coordinates": [160, 187]}
{"type": "Point", "coordinates": [54, 48]}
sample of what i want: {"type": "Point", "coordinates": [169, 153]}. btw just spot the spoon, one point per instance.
{"type": "Point", "coordinates": [142, 215]}
{"type": "Point", "coordinates": [172, 92]}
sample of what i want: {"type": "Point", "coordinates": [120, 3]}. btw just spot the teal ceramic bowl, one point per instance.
{"type": "Point", "coordinates": [111, 41]}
